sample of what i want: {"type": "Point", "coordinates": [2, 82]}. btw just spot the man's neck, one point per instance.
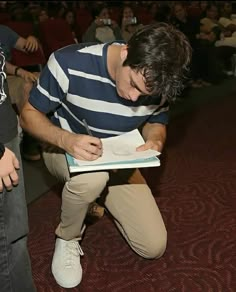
{"type": "Point", "coordinates": [113, 59]}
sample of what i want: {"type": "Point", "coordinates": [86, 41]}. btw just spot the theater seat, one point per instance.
{"type": "Point", "coordinates": [83, 21]}
{"type": "Point", "coordinates": [23, 28]}
{"type": "Point", "coordinates": [54, 34]}
{"type": "Point", "coordinates": [22, 59]}
{"type": "Point", "coordinates": [4, 17]}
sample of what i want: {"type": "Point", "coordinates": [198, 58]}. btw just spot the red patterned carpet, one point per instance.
{"type": "Point", "coordinates": [195, 189]}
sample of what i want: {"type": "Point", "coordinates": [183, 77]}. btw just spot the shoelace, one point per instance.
{"type": "Point", "coordinates": [73, 249]}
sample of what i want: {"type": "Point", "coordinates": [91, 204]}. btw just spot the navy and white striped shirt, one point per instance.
{"type": "Point", "coordinates": [75, 85]}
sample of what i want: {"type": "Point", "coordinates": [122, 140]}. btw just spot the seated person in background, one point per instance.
{"type": "Point", "coordinates": [17, 78]}
{"type": "Point", "coordinates": [228, 21]}
{"type": "Point", "coordinates": [103, 28]}
{"type": "Point", "coordinates": [42, 17]}
{"type": "Point", "coordinates": [190, 28]}
{"type": "Point", "coordinates": [129, 23]}
{"type": "Point", "coordinates": [70, 18]}
{"type": "Point", "coordinates": [220, 48]}
{"type": "Point", "coordinates": [181, 20]}
{"type": "Point", "coordinates": [27, 45]}
{"type": "Point", "coordinates": [210, 29]}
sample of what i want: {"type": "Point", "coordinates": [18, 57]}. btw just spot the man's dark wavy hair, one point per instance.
{"type": "Point", "coordinates": [162, 54]}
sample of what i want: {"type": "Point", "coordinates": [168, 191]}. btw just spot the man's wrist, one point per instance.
{"type": "Point", "coordinates": [2, 150]}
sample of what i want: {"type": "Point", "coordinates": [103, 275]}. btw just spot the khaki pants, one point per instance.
{"type": "Point", "coordinates": [19, 90]}
{"type": "Point", "coordinates": [16, 89]}
{"type": "Point", "coordinates": [132, 206]}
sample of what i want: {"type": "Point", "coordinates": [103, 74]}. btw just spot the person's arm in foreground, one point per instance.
{"type": "Point", "coordinates": [29, 44]}
{"type": "Point", "coordinates": [80, 146]}
{"type": "Point", "coordinates": [17, 71]}
{"type": "Point", "coordinates": [8, 166]}
{"type": "Point", "coordinates": [154, 136]}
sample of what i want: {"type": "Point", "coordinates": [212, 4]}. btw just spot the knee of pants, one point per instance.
{"type": "Point", "coordinates": [87, 187]}
{"type": "Point", "coordinates": [154, 248]}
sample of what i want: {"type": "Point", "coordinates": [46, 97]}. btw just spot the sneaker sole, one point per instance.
{"type": "Point", "coordinates": [62, 284]}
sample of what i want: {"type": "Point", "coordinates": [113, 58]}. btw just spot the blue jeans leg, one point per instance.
{"type": "Point", "coordinates": [15, 266]}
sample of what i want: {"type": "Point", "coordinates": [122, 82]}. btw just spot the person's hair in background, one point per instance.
{"type": "Point", "coordinates": [33, 9]}
{"type": "Point", "coordinates": [203, 6]}
{"type": "Point", "coordinates": [127, 14]}
{"type": "Point", "coordinates": [163, 14]}
{"type": "Point", "coordinates": [70, 17]}
{"type": "Point", "coordinates": [16, 10]}
{"type": "Point", "coordinates": [100, 11]}
{"type": "Point", "coordinates": [226, 9]}
{"type": "Point", "coordinates": [56, 8]}
{"type": "Point", "coordinates": [212, 12]}
{"type": "Point", "coordinates": [43, 15]}
{"type": "Point", "coordinates": [152, 8]}
{"type": "Point", "coordinates": [162, 54]}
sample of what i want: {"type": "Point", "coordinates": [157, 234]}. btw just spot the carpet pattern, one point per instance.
{"type": "Point", "coordinates": [195, 189]}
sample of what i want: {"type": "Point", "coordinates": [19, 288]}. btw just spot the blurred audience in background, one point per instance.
{"type": "Point", "coordinates": [103, 28]}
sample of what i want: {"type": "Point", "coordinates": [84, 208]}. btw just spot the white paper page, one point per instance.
{"type": "Point", "coordinates": [121, 148]}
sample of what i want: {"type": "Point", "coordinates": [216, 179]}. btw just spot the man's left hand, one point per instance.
{"type": "Point", "coordinates": [151, 144]}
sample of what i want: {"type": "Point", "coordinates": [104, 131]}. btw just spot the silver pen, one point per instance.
{"type": "Point", "coordinates": [87, 127]}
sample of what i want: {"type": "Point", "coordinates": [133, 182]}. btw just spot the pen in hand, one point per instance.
{"type": "Point", "coordinates": [90, 134]}
{"type": "Point", "coordinates": [87, 128]}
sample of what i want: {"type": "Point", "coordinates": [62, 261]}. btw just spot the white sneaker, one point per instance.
{"type": "Point", "coordinates": [66, 267]}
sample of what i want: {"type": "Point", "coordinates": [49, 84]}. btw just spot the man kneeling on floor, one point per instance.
{"type": "Point", "coordinates": [116, 87]}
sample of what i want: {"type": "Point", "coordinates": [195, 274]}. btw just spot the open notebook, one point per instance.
{"type": "Point", "coordinates": [118, 152]}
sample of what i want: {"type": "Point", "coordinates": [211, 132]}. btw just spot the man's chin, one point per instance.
{"type": "Point", "coordinates": [121, 95]}
{"type": "Point", "coordinates": [124, 97]}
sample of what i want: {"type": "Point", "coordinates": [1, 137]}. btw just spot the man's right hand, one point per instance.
{"type": "Point", "coordinates": [83, 147]}
{"type": "Point", "coordinates": [8, 166]}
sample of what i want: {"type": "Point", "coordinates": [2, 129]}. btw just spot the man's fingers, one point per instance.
{"type": "Point", "coordinates": [85, 155]}
{"type": "Point", "coordinates": [142, 147]}
{"type": "Point", "coordinates": [94, 150]}
{"type": "Point", "coordinates": [156, 145]}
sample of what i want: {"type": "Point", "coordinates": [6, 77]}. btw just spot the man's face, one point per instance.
{"type": "Point", "coordinates": [130, 84]}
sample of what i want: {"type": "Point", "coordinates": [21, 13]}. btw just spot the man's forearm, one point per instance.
{"type": "Point", "coordinates": [154, 132]}
{"type": "Point", "coordinates": [39, 126]}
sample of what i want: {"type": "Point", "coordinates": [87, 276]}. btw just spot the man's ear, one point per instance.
{"type": "Point", "coordinates": [123, 53]}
